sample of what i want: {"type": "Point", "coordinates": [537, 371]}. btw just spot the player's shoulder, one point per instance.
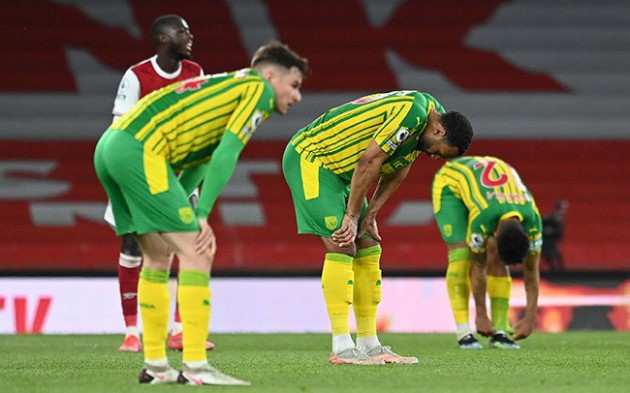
{"type": "Point", "coordinates": [252, 76]}
{"type": "Point", "coordinates": [426, 101]}
{"type": "Point", "coordinates": [141, 66]}
{"type": "Point", "coordinates": [192, 66]}
{"type": "Point", "coordinates": [461, 161]}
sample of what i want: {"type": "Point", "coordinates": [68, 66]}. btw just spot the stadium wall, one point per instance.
{"type": "Point", "coordinates": [410, 305]}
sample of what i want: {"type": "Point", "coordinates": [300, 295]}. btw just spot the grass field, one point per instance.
{"type": "Point", "coordinates": [569, 362]}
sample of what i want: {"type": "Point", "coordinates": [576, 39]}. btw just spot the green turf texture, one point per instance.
{"type": "Point", "coordinates": [568, 362]}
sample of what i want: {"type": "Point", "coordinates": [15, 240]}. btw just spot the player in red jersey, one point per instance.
{"type": "Point", "coordinates": [171, 63]}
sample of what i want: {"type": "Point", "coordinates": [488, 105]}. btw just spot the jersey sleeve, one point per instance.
{"type": "Point", "coordinates": [407, 123]}
{"type": "Point", "coordinates": [128, 93]}
{"type": "Point", "coordinates": [255, 106]}
{"type": "Point", "coordinates": [533, 227]}
{"type": "Point", "coordinates": [392, 132]}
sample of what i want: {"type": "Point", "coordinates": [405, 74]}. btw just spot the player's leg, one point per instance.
{"type": "Point", "coordinates": [499, 284]}
{"type": "Point", "coordinates": [195, 301]}
{"type": "Point", "coordinates": [117, 206]}
{"type": "Point", "coordinates": [337, 287]}
{"type": "Point", "coordinates": [155, 301]}
{"type": "Point", "coordinates": [320, 199]}
{"type": "Point", "coordinates": [129, 261]}
{"type": "Point", "coordinates": [176, 338]}
{"type": "Point", "coordinates": [451, 216]}
{"type": "Point", "coordinates": [367, 296]}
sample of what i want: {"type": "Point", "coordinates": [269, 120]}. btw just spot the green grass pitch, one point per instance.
{"type": "Point", "coordinates": [568, 362]}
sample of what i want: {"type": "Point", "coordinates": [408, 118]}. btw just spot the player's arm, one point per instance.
{"type": "Point", "coordinates": [366, 172]}
{"type": "Point", "coordinates": [531, 277]}
{"type": "Point", "coordinates": [245, 119]}
{"type": "Point", "coordinates": [478, 265]}
{"type": "Point", "coordinates": [192, 177]}
{"type": "Point", "coordinates": [385, 188]}
{"type": "Point", "coordinates": [218, 172]}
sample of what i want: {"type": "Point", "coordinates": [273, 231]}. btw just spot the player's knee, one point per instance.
{"type": "Point", "coordinates": [130, 246]}
{"type": "Point", "coordinates": [458, 263]}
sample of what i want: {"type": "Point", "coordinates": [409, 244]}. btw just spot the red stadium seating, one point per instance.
{"type": "Point", "coordinates": [590, 175]}
{"type": "Point", "coordinates": [63, 61]}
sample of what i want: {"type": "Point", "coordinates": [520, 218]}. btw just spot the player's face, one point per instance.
{"type": "Point", "coordinates": [436, 146]}
{"type": "Point", "coordinates": [180, 39]}
{"type": "Point", "coordinates": [286, 84]}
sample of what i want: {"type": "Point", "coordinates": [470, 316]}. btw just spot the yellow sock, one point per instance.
{"type": "Point", "coordinates": [155, 303]}
{"type": "Point", "coordinates": [499, 293]}
{"type": "Point", "coordinates": [458, 283]}
{"type": "Point", "coordinates": [337, 285]}
{"type": "Point", "coordinates": [367, 289]}
{"type": "Point", "coordinates": [193, 293]}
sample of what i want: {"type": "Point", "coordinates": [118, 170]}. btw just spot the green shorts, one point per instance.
{"type": "Point", "coordinates": [143, 189]}
{"type": "Point", "coordinates": [452, 219]}
{"type": "Point", "coordinates": [320, 197]}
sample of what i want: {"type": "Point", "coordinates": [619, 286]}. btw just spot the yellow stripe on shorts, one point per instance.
{"type": "Point", "coordinates": [310, 178]}
{"type": "Point", "coordinates": [155, 171]}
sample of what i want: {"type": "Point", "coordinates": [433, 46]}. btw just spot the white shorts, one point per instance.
{"type": "Point", "coordinates": [109, 214]}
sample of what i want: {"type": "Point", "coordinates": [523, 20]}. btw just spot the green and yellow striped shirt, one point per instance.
{"type": "Point", "coordinates": [491, 190]}
{"type": "Point", "coordinates": [339, 137]}
{"type": "Point", "coordinates": [185, 121]}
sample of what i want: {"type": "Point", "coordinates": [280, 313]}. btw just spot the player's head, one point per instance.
{"type": "Point", "coordinates": [284, 70]}
{"type": "Point", "coordinates": [171, 36]}
{"type": "Point", "coordinates": [512, 241]}
{"type": "Point", "coordinates": [446, 135]}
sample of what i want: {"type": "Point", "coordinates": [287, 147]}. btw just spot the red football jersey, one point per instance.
{"type": "Point", "coordinates": [145, 77]}
{"type": "Point", "coordinates": [150, 80]}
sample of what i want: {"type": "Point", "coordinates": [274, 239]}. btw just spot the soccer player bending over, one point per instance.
{"type": "Point", "coordinates": [198, 126]}
{"type": "Point", "coordinates": [171, 63]}
{"type": "Point", "coordinates": [329, 166]}
{"type": "Point", "coordinates": [488, 220]}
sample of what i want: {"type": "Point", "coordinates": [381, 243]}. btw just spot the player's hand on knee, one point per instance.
{"type": "Point", "coordinates": [206, 241]}
{"type": "Point", "coordinates": [347, 233]}
{"type": "Point", "coordinates": [370, 227]}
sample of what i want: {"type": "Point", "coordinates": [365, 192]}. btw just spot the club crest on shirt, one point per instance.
{"type": "Point", "coordinates": [186, 215]}
{"type": "Point", "coordinates": [331, 222]}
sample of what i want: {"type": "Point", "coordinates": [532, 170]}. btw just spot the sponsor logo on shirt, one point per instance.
{"type": "Point", "coordinates": [477, 242]}
{"type": "Point", "coordinates": [256, 119]}
{"type": "Point", "coordinates": [401, 135]}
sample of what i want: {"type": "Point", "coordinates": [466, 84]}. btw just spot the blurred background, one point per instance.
{"type": "Point", "coordinates": [546, 85]}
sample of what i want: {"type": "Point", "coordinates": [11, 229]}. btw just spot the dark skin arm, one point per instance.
{"type": "Point", "coordinates": [531, 276]}
{"type": "Point", "coordinates": [386, 187]}
{"type": "Point", "coordinates": [366, 172]}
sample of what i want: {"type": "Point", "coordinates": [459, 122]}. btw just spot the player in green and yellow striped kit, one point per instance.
{"type": "Point", "coordinates": [329, 166]}
{"type": "Point", "coordinates": [488, 219]}
{"type": "Point", "coordinates": [199, 127]}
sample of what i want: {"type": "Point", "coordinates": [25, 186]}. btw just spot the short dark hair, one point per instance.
{"type": "Point", "coordinates": [278, 53]}
{"type": "Point", "coordinates": [459, 131]}
{"type": "Point", "coordinates": [160, 23]}
{"type": "Point", "coordinates": [512, 242]}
